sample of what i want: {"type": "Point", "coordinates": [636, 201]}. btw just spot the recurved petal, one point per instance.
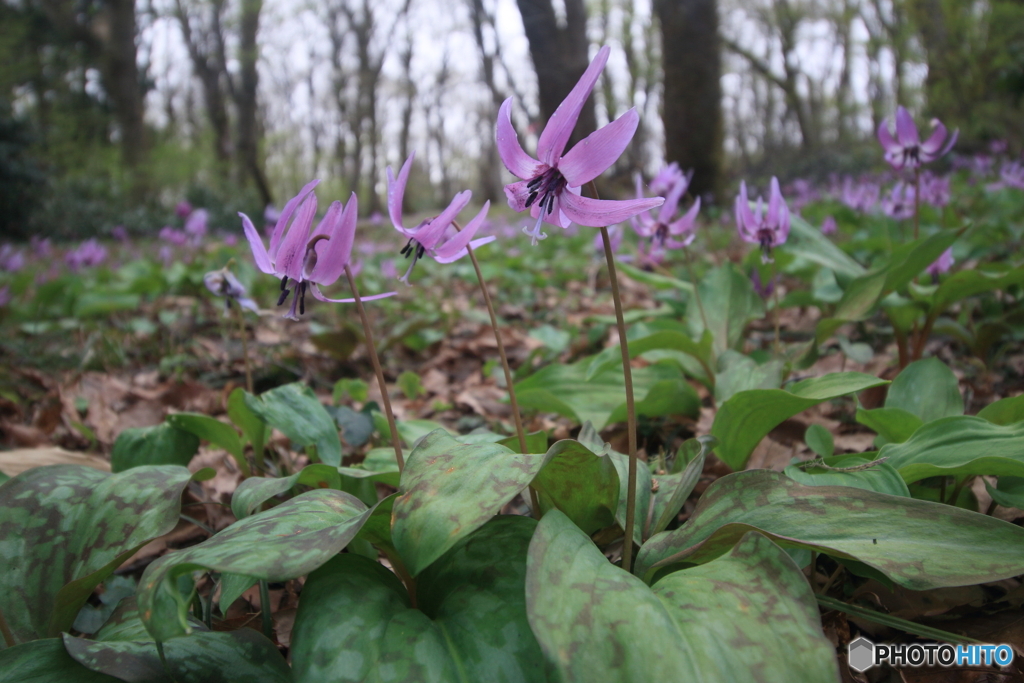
{"type": "Point", "coordinates": [668, 209]}
{"type": "Point", "coordinates": [286, 214]}
{"type": "Point", "coordinates": [906, 131]}
{"type": "Point", "coordinates": [396, 192]}
{"type": "Point", "coordinates": [775, 201]}
{"type": "Point", "coordinates": [517, 194]}
{"type": "Point", "coordinates": [559, 127]}
{"type": "Point", "coordinates": [432, 233]}
{"type": "Point", "coordinates": [327, 223]}
{"type": "Point", "coordinates": [288, 260]}
{"type": "Point", "coordinates": [455, 248]}
{"type": "Point", "coordinates": [597, 213]}
{"type": "Point", "coordinates": [593, 155]}
{"type": "Point", "coordinates": [888, 143]}
{"type": "Point", "coordinates": [320, 295]}
{"type": "Point", "coordinates": [259, 252]}
{"type": "Point", "coordinates": [331, 261]}
{"type": "Point", "coordinates": [518, 162]}
{"type": "Point", "coordinates": [686, 222]}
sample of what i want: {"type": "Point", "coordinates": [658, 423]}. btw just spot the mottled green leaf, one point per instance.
{"type": "Point", "coordinates": [595, 622]}
{"type": "Point", "coordinates": [255, 491]}
{"type": "Point", "coordinates": [729, 302]}
{"type": "Point", "coordinates": [928, 389]}
{"type": "Point", "coordinates": [644, 482]}
{"type": "Point", "coordinates": [750, 616]}
{"type": "Point", "coordinates": [449, 490]}
{"type": "Point", "coordinates": [675, 488]}
{"type": "Point", "coordinates": [880, 477]}
{"type": "Point", "coordinates": [745, 419]}
{"type": "Point", "coordinates": [379, 465]}
{"type": "Point", "coordinates": [66, 528]}
{"type": "Point", "coordinates": [580, 483]}
{"type": "Point", "coordinates": [282, 543]}
{"type": "Point", "coordinates": [254, 429]}
{"type": "Point", "coordinates": [737, 372]}
{"type": "Point", "coordinates": [203, 657]}
{"type": "Point", "coordinates": [356, 427]}
{"type": "Point", "coordinates": [212, 430]}
{"type": "Point", "coordinates": [1008, 492]}
{"type": "Point", "coordinates": [295, 410]}
{"type": "Point", "coordinates": [45, 661]}
{"type": "Point", "coordinates": [564, 389]}
{"type": "Point", "coordinates": [959, 445]}
{"type": "Point", "coordinates": [918, 544]}
{"type": "Point", "coordinates": [355, 622]}
{"type": "Point", "coordinates": [893, 425]}
{"type": "Point", "coordinates": [163, 444]}
{"type": "Point", "coordinates": [377, 527]}
{"type": "Point", "coordinates": [1006, 411]}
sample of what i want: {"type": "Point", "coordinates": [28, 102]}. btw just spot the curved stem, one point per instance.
{"type": "Point", "coordinates": [395, 440]}
{"type": "Point", "coordinates": [627, 376]}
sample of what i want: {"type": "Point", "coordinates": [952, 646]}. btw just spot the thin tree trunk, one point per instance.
{"type": "Point", "coordinates": [247, 137]}
{"type": "Point", "coordinates": [122, 82]}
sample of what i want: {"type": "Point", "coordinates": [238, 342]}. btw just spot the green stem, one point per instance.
{"type": "Point", "coordinates": [895, 622]}
{"type": "Point", "coordinates": [395, 440]}
{"type": "Point", "coordinates": [627, 376]}
{"type": "Point", "coordinates": [268, 618]}
{"type": "Point", "coordinates": [775, 310]}
{"type": "Point", "coordinates": [957, 489]}
{"type": "Point", "coordinates": [520, 431]}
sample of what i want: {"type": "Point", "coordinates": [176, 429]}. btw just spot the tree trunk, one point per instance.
{"type": "Point", "coordinates": [692, 110]}
{"type": "Point", "coordinates": [121, 80]}
{"type": "Point", "coordinates": [560, 56]}
{"type": "Point", "coordinates": [247, 133]}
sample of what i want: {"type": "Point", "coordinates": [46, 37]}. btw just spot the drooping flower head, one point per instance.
{"type": "Point", "coordinates": [906, 150]}
{"type": "Point", "coordinates": [941, 265]}
{"type": "Point", "coordinates": [224, 283]}
{"type": "Point", "coordinates": [665, 179]}
{"type": "Point", "coordinates": [550, 185]}
{"type": "Point", "coordinates": [766, 229]}
{"type": "Point", "coordinates": [664, 230]}
{"type": "Point", "coordinates": [430, 236]}
{"type": "Point", "coordinates": [300, 258]}
{"type": "Point", "coordinates": [899, 203]}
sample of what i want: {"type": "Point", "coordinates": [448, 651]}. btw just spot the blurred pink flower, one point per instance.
{"type": "Point", "coordinates": [658, 230]}
{"type": "Point", "coordinates": [828, 226]}
{"type": "Point", "coordinates": [906, 149]}
{"type": "Point", "coordinates": [89, 253]}
{"type": "Point", "coordinates": [183, 209]}
{"type": "Point", "coordinates": [766, 229]}
{"type": "Point", "coordinates": [941, 264]}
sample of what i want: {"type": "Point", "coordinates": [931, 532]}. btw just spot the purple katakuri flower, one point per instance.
{"type": "Point", "coordinates": [297, 256]}
{"type": "Point", "coordinates": [429, 235]}
{"type": "Point", "coordinates": [906, 149]}
{"type": "Point", "coordinates": [119, 233]}
{"type": "Point", "coordinates": [89, 253]}
{"type": "Point", "coordinates": [550, 185]}
{"type": "Point", "coordinates": [941, 264]}
{"type": "Point", "coordinates": [763, 289]}
{"type": "Point", "coordinates": [860, 195]}
{"type": "Point", "coordinates": [224, 283]}
{"type": "Point", "coordinates": [230, 240]}
{"type": "Point", "coordinates": [829, 226]}
{"type": "Point", "coordinates": [11, 260]}
{"type": "Point", "coordinates": [1012, 175]}
{"type": "Point", "coordinates": [899, 203]}
{"type": "Point", "coordinates": [41, 247]}
{"type": "Point", "coordinates": [766, 229]}
{"type": "Point", "coordinates": [173, 236]}
{"type": "Point", "coordinates": [183, 209]}
{"type": "Point", "coordinates": [659, 230]}
{"type": "Point", "coordinates": [934, 189]}
{"type": "Point", "coordinates": [665, 179]}
{"type": "Point", "coordinates": [195, 225]}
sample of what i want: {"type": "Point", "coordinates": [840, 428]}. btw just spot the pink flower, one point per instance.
{"type": "Point", "coordinates": [195, 225]}
{"type": "Point", "coordinates": [89, 253]}
{"type": "Point", "coordinates": [769, 230]}
{"type": "Point", "coordinates": [659, 230]}
{"type": "Point", "coordinates": [906, 149]}
{"type": "Point", "coordinates": [941, 264]}
{"type": "Point", "coordinates": [296, 255]}
{"type": "Point", "coordinates": [429, 235]}
{"type": "Point", "coordinates": [666, 179]}
{"type": "Point", "coordinates": [828, 226]}
{"type": "Point", "coordinates": [550, 185]}
{"type": "Point", "coordinates": [183, 209]}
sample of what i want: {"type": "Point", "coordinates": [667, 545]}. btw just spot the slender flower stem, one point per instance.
{"type": "Point", "coordinates": [267, 617]}
{"type": "Point", "coordinates": [6, 631]}
{"type": "Point", "coordinates": [627, 376]}
{"type": "Point", "coordinates": [395, 440]}
{"type": "Point", "coordinates": [917, 201]}
{"type": "Point", "coordinates": [245, 345]}
{"type": "Point", "coordinates": [520, 431]}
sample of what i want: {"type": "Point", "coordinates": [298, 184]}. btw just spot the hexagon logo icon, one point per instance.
{"type": "Point", "coordinates": [861, 654]}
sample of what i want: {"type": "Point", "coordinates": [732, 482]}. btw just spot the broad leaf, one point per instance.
{"type": "Point", "coordinates": [450, 489]}
{"type": "Point", "coordinates": [163, 444]}
{"type": "Point", "coordinates": [644, 482]}
{"type": "Point", "coordinates": [729, 302]}
{"type": "Point", "coordinates": [737, 373]}
{"type": "Point", "coordinates": [594, 621]}
{"type": "Point", "coordinates": [255, 491]}
{"type": "Point", "coordinates": [928, 389]}
{"type": "Point", "coordinates": [968, 283]}
{"type": "Point", "coordinates": [959, 445]}
{"type": "Point", "coordinates": [675, 488]}
{"type": "Point", "coordinates": [1009, 492]}
{"type": "Point", "coordinates": [663, 340]}
{"type": "Point", "coordinates": [580, 483]}
{"type": "Point", "coordinates": [254, 429]}
{"type": "Point", "coordinates": [45, 661]}
{"type": "Point", "coordinates": [819, 440]}
{"type": "Point", "coordinates": [214, 431]}
{"type": "Point", "coordinates": [806, 241]}
{"type": "Point", "coordinates": [918, 544]}
{"type": "Point", "coordinates": [880, 477]}
{"type": "Point", "coordinates": [355, 621]}
{"type": "Point", "coordinates": [750, 615]}
{"type": "Point", "coordinates": [287, 541]}
{"type": "Point", "coordinates": [379, 465]}
{"type": "Point", "coordinates": [893, 425]}
{"type": "Point", "coordinates": [1006, 411]}
{"type": "Point", "coordinates": [564, 389]}
{"type": "Point", "coordinates": [748, 416]}
{"type": "Point", "coordinates": [295, 410]}
{"type": "Point", "coordinates": [66, 528]}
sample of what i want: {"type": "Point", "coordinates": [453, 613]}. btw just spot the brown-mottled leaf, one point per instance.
{"type": "Point", "coordinates": [582, 484]}
{"type": "Point", "coordinates": [65, 528]}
